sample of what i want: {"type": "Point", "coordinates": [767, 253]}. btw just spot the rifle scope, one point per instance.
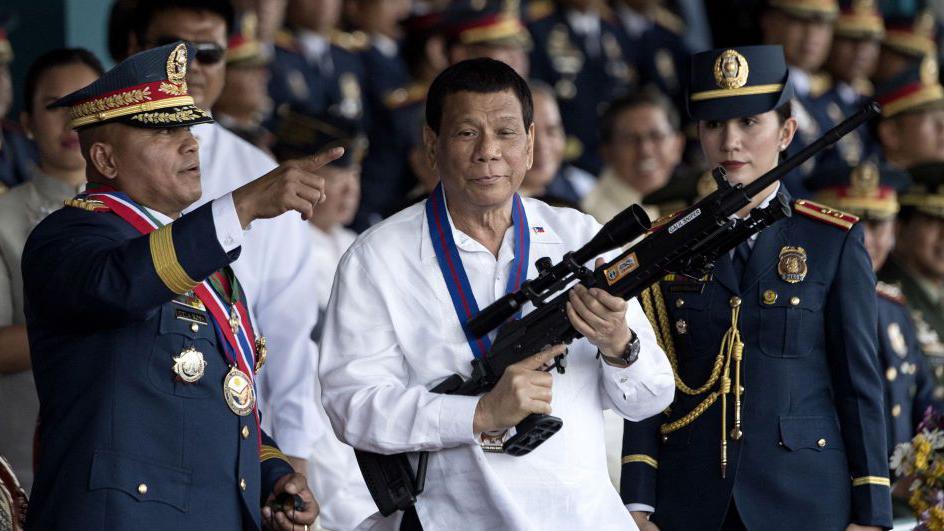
{"type": "Point", "coordinates": [619, 231]}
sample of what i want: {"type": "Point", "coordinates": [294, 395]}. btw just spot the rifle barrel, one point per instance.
{"type": "Point", "coordinates": [869, 111]}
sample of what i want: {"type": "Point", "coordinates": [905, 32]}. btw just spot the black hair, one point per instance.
{"type": "Point", "coordinates": [53, 59]}
{"type": "Point", "coordinates": [120, 20]}
{"type": "Point", "coordinates": [146, 10]}
{"type": "Point", "coordinates": [784, 112]}
{"type": "Point", "coordinates": [645, 97]}
{"type": "Point", "coordinates": [483, 76]}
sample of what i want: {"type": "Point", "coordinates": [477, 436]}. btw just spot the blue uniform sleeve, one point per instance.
{"type": "Point", "coordinates": [274, 466]}
{"type": "Point", "coordinates": [79, 263]}
{"type": "Point", "coordinates": [640, 461]}
{"type": "Point", "coordinates": [851, 343]}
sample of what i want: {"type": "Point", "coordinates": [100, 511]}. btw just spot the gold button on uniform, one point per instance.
{"type": "Point", "coordinates": [245, 432]}
{"type": "Point", "coordinates": [891, 374]}
{"type": "Point", "coordinates": [242, 483]}
{"type": "Point", "coordinates": [195, 327]}
{"type": "Point", "coordinates": [735, 302]}
{"type": "Point", "coordinates": [770, 296]}
{"type": "Point", "coordinates": [896, 410]}
{"type": "Point", "coordinates": [794, 300]}
{"type": "Point", "coordinates": [821, 443]}
{"type": "Point", "coordinates": [679, 303]}
{"type": "Point", "coordinates": [142, 489]}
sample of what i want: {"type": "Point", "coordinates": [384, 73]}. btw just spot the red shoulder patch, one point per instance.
{"type": "Point", "coordinates": [825, 214]}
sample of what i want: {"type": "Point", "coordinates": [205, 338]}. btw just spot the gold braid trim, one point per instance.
{"type": "Point", "coordinates": [116, 100]}
{"type": "Point", "coordinates": [641, 458]}
{"type": "Point", "coordinates": [161, 117]}
{"type": "Point", "coordinates": [173, 89]}
{"type": "Point", "coordinates": [168, 268]}
{"type": "Point", "coordinates": [668, 428]}
{"type": "Point", "coordinates": [871, 480]}
{"type": "Point", "coordinates": [665, 329]}
{"type": "Point", "coordinates": [267, 452]}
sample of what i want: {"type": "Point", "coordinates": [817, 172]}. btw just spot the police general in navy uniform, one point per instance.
{"type": "Point", "coordinates": [143, 347]}
{"type": "Point", "coordinates": [778, 422]}
{"type": "Point", "coordinates": [316, 65]}
{"type": "Point", "coordinates": [586, 57]}
{"type": "Point", "coordinates": [870, 191]}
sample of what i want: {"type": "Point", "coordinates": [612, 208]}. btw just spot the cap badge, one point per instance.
{"type": "Point", "coordinates": [177, 64]}
{"type": "Point", "coordinates": [792, 266]}
{"type": "Point", "coordinates": [731, 70]}
{"type": "Point", "coordinates": [864, 180]}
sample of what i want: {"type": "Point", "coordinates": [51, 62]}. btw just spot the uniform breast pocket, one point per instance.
{"type": "Point", "coordinates": [690, 324]}
{"type": "Point", "coordinates": [791, 318]}
{"type": "Point", "coordinates": [186, 345]}
{"type": "Point", "coordinates": [140, 479]}
{"type": "Point", "coordinates": [811, 433]}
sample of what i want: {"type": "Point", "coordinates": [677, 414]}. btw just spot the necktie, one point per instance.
{"type": "Point", "coordinates": [742, 253]}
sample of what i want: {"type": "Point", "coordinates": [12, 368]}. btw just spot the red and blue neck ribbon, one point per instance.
{"type": "Point", "coordinates": [453, 272]}
{"type": "Point", "coordinates": [238, 346]}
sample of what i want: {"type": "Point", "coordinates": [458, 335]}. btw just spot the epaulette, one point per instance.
{"type": "Point", "coordinates": [403, 96]}
{"type": "Point", "coordinates": [668, 20]}
{"type": "Point", "coordinates": [355, 41]}
{"type": "Point", "coordinates": [825, 214]}
{"type": "Point", "coordinates": [539, 9]}
{"type": "Point", "coordinates": [820, 84]}
{"type": "Point", "coordinates": [890, 292]}
{"type": "Point", "coordinates": [87, 204]}
{"type": "Point", "coordinates": [286, 40]}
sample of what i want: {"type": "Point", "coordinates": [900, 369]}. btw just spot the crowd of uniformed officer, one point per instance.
{"type": "Point", "coordinates": [303, 76]}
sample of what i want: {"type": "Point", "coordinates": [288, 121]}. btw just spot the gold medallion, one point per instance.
{"type": "Point", "coordinates": [262, 352]}
{"type": "Point", "coordinates": [189, 365]}
{"type": "Point", "coordinates": [792, 266]}
{"type": "Point", "coordinates": [897, 340]}
{"type": "Point", "coordinates": [177, 64]}
{"type": "Point", "coordinates": [238, 392]}
{"type": "Point", "coordinates": [731, 70]}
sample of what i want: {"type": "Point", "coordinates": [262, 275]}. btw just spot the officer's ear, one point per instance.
{"type": "Point", "coordinates": [787, 131]}
{"type": "Point", "coordinates": [429, 143]}
{"type": "Point", "coordinates": [530, 145]}
{"type": "Point", "coordinates": [102, 157]}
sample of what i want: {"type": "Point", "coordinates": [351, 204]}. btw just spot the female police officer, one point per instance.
{"type": "Point", "coordinates": [777, 422]}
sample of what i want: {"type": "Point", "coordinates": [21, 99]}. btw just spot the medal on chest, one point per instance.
{"type": "Point", "coordinates": [792, 265]}
{"type": "Point", "coordinates": [189, 365]}
{"type": "Point", "coordinates": [238, 392]}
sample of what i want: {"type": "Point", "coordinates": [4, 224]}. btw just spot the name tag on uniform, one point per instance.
{"type": "Point", "coordinates": [193, 317]}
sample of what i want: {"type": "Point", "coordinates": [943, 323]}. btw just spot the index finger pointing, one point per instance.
{"type": "Point", "coordinates": [315, 162]}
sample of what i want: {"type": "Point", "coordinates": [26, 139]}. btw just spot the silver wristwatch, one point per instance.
{"type": "Point", "coordinates": [629, 355]}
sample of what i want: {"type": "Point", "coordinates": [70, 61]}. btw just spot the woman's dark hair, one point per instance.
{"type": "Point", "coordinates": [53, 59]}
{"type": "Point", "coordinates": [483, 76]}
{"type": "Point", "coordinates": [645, 97]}
{"type": "Point", "coordinates": [784, 112]}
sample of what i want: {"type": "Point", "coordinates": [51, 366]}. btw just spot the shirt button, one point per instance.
{"type": "Point", "coordinates": [245, 432]}
{"type": "Point", "coordinates": [142, 489]}
{"type": "Point", "coordinates": [896, 410]}
{"type": "Point", "coordinates": [794, 300]}
{"type": "Point", "coordinates": [195, 327]}
{"type": "Point", "coordinates": [821, 443]}
{"type": "Point", "coordinates": [679, 303]}
{"type": "Point", "coordinates": [242, 484]}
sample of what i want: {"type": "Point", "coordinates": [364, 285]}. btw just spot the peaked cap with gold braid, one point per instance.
{"type": "Point", "coordinates": [735, 82]}
{"type": "Point", "coordinates": [148, 89]}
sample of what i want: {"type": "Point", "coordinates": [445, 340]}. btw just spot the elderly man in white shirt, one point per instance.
{"type": "Point", "coordinates": [392, 330]}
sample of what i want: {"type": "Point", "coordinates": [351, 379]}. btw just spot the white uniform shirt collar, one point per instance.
{"type": "Point", "coordinates": [163, 218]}
{"type": "Point", "coordinates": [847, 93]}
{"type": "Point", "coordinates": [387, 46]}
{"type": "Point", "coordinates": [801, 80]}
{"type": "Point", "coordinates": [635, 23]}
{"type": "Point", "coordinates": [584, 23]}
{"type": "Point", "coordinates": [314, 45]}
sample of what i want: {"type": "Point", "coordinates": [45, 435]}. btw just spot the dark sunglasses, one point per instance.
{"type": "Point", "coordinates": [208, 53]}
